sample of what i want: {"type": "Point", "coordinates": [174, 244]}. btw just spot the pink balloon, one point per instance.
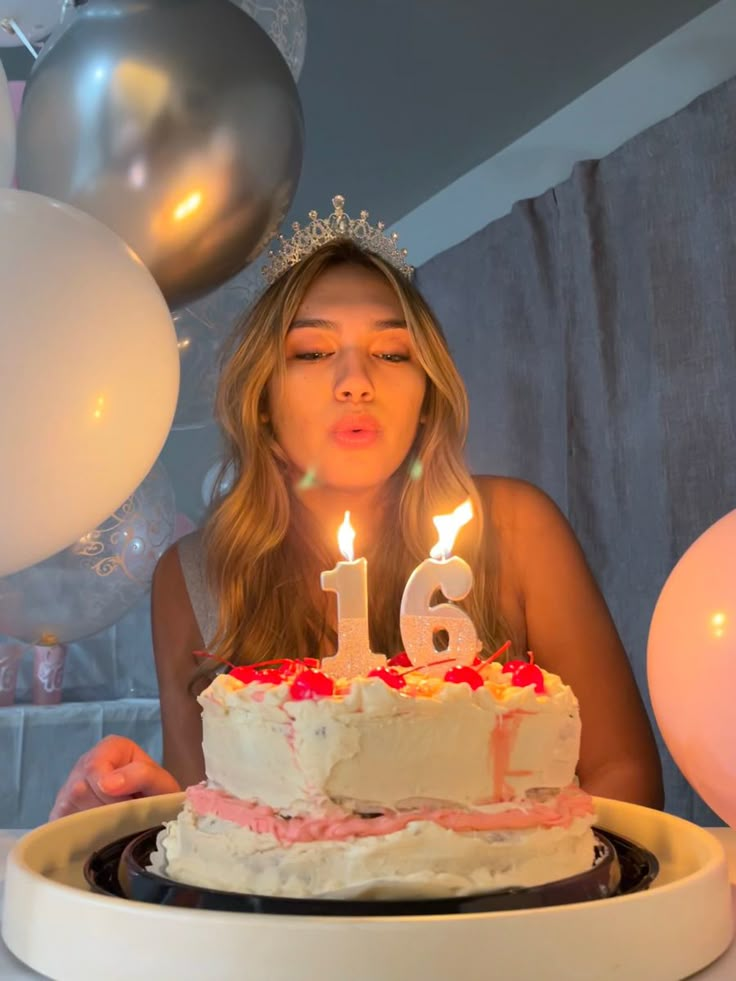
{"type": "Point", "coordinates": [691, 665]}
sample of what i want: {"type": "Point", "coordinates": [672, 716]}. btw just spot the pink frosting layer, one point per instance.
{"type": "Point", "coordinates": [561, 811]}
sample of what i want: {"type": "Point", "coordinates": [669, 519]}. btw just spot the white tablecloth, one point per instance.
{"type": "Point", "coordinates": [724, 969]}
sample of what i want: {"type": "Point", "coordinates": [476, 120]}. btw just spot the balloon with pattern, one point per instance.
{"type": "Point", "coordinates": [92, 583]}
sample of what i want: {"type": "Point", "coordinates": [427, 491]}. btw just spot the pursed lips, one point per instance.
{"type": "Point", "coordinates": [356, 424]}
{"type": "Point", "coordinates": [356, 430]}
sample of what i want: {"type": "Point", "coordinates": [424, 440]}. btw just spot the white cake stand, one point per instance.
{"type": "Point", "coordinates": [53, 923]}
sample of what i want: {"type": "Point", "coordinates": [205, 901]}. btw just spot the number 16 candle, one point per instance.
{"type": "Point", "coordinates": [420, 620]}
{"type": "Point", "coordinates": [349, 579]}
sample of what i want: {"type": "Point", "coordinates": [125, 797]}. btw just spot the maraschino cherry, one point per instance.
{"type": "Point", "coordinates": [392, 678]}
{"type": "Point", "coordinates": [248, 675]}
{"type": "Point", "coordinates": [400, 660]}
{"type": "Point", "coordinates": [244, 673]}
{"type": "Point", "coordinates": [524, 673]}
{"type": "Point", "coordinates": [463, 673]}
{"type": "Point", "coordinates": [528, 674]}
{"type": "Point", "coordinates": [311, 684]}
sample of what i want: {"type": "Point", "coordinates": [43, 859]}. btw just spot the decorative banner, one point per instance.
{"type": "Point", "coordinates": [90, 585]}
{"type": "Point", "coordinates": [7, 133]}
{"type": "Point", "coordinates": [190, 151]}
{"type": "Point", "coordinates": [89, 375]}
{"type": "Point", "coordinates": [691, 665]}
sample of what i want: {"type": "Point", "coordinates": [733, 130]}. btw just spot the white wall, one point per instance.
{"type": "Point", "coordinates": [653, 86]}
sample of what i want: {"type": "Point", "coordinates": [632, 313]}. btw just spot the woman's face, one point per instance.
{"type": "Point", "coordinates": [347, 408]}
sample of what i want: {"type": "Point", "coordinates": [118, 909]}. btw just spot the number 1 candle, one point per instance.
{"type": "Point", "coordinates": [420, 620]}
{"type": "Point", "coordinates": [349, 579]}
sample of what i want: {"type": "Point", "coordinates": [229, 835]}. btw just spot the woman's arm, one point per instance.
{"type": "Point", "coordinates": [175, 637]}
{"type": "Point", "coordinates": [570, 630]}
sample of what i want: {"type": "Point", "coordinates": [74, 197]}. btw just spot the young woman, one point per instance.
{"type": "Point", "coordinates": [340, 394]}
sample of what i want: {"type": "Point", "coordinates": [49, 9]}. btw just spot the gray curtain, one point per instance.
{"type": "Point", "coordinates": [594, 327]}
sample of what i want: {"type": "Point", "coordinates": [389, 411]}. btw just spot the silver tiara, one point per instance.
{"type": "Point", "coordinates": [338, 225]}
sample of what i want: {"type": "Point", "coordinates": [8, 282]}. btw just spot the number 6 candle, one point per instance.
{"type": "Point", "coordinates": [350, 581]}
{"type": "Point", "coordinates": [420, 621]}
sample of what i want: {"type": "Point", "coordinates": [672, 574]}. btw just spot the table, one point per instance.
{"type": "Point", "coordinates": [724, 969]}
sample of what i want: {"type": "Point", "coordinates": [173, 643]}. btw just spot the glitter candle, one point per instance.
{"type": "Point", "coordinates": [349, 579]}
{"type": "Point", "coordinates": [420, 620]}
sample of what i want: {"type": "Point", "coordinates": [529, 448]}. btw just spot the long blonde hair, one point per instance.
{"type": "Point", "coordinates": [264, 555]}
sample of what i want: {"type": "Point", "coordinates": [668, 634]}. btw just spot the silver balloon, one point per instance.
{"type": "Point", "coordinates": [91, 584]}
{"type": "Point", "coordinates": [175, 122]}
{"type": "Point", "coordinates": [285, 22]}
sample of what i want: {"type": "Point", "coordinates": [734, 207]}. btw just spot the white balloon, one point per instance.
{"type": "Point", "coordinates": [89, 375]}
{"type": "Point", "coordinates": [7, 133]}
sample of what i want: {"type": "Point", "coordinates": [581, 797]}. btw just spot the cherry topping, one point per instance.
{"type": "Point", "coordinates": [244, 673]}
{"type": "Point", "coordinates": [511, 666]}
{"type": "Point", "coordinates": [392, 678]}
{"type": "Point", "coordinates": [399, 661]}
{"type": "Point", "coordinates": [464, 673]}
{"type": "Point", "coordinates": [269, 677]}
{"type": "Point", "coordinates": [311, 684]}
{"type": "Point", "coordinates": [528, 674]}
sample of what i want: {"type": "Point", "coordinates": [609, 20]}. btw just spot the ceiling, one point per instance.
{"type": "Point", "coordinates": [402, 97]}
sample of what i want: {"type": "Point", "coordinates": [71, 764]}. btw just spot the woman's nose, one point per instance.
{"type": "Point", "coordinates": [352, 378]}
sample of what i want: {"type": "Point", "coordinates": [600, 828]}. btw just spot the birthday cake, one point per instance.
{"type": "Point", "coordinates": [392, 784]}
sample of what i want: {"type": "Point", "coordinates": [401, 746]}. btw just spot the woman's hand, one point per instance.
{"type": "Point", "coordinates": [115, 769]}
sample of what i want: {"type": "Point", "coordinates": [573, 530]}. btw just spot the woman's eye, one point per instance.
{"type": "Point", "coordinates": [311, 355]}
{"type": "Point", "coordinates": [393, 358]}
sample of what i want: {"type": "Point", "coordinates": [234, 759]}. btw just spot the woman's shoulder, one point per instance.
{"type": "Point", "coordinates": [181, 574]}
{"type": "Point", "coordinates": [176, 629]}
{"type": "Point", "coordinates": [171, 565]}
{"type": "Point", "coordinates": [513, 503]}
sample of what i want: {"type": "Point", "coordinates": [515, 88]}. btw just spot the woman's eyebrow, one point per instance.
{"type": "Point", "coordinates": [331, 325]}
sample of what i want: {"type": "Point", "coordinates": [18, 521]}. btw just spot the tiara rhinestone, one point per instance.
{"type": "Point", "coordinates": [338, 225]}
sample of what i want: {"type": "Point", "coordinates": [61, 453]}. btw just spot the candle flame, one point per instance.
{"type": "Point", "coordinates": [345, 538]}
{"type": "Point", "coordinates": [448, 525]}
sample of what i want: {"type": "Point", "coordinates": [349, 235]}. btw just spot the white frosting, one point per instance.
{"type": "Point", "coordinates": [370, 747]}
{"type": "Point", "coordinates": [379, 746]}
{"type": "Point", "coordinates": [422, 860]}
